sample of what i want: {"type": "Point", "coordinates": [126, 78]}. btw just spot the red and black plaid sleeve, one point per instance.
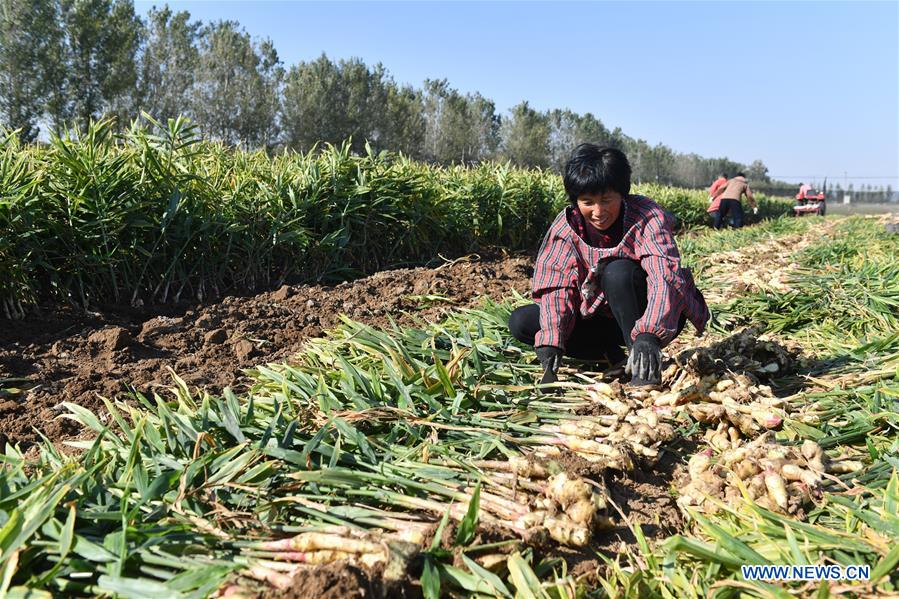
{"type": "Point", "coordinates": [670, 288]}
{"type": "Point", "coordinates": [556, 285]}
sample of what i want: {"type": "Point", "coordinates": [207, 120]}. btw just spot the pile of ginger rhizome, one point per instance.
{"type": "Point", "coordinates": [714, 410]}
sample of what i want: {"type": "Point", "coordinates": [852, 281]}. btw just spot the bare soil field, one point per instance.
{"type": "Point", "coordinates": [60, 354]}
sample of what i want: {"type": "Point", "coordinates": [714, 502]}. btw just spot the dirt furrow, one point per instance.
{"type": "Point", "coordinates": [65, 355]}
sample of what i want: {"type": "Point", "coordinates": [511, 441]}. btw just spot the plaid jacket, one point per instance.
{"type": "Point", "coordinates": [565, 274]}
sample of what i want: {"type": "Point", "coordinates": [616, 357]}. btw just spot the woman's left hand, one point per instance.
{"type": "Point", "coordinates": [645, 361]}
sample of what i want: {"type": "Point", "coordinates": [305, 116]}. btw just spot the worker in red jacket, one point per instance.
{"type": "Point", "coordinates": [714, 198]}
{"type": "Point", "coordinates": [608, 275]}
{"type": "Point", "coordinates": [729, 196]}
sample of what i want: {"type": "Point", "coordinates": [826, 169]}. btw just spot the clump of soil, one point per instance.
{"type": "Point", "coordinates": [646, 498]}
{"type": "Point", "coordinates": [342, 580]}
{"type": "Point", "coordinates": [575, 465]}
{"type": "Point", "coordinates": [748, 351]}
{"type": "Point", "coordinates": [61, 354]}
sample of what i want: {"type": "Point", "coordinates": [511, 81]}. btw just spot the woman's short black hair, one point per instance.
{"type": "Point", "coordinates": [595, 169]}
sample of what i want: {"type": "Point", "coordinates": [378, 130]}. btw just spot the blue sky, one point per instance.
{"type": "Point", "coordinates": [811, 88]}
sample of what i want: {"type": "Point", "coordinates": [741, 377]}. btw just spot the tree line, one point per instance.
{"type": "Point", "coordinates": [64, 63]}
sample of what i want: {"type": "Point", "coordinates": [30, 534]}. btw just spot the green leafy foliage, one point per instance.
{"type": "Point", "coordinates": [158, 214]}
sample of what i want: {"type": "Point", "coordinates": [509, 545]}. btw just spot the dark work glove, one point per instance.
{"type": "Point", "coordinates": [645, 361]}
{"type": "Point", "coordinates": [550, 358]}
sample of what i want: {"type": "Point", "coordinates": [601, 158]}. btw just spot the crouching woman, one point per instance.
{"type": "Point", "coordinates": [608, 278]}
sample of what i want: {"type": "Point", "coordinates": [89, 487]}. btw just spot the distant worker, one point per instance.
{"type": "Point", "coordinates": [803, 191]}
{"type": "Point", "coordinates": [714, 201]}
{"type": "Point", "coordinates": [730, 196]}
{"type": "Point", "coordinates": [608, 275]}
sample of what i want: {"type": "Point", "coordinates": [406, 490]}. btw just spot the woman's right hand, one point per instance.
{"type": "Point", "coordinates": [550, 358]}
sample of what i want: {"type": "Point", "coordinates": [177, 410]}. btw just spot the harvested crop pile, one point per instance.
{"type": "Point", "coordinates": [616, 432]}
{"type": "Point", "coordinates": [748, 351]}
{"type": "Point", "coordinates": [276, 564]}
{"type": "Point", "coordinates": [780, 478]}
{"type": "Point", "coordinates": [526, 499]}
{"type": "Point", "coordinates": [764, 266]}
{"type": "Point", "coordinates": [721, 387]}
{"type": "Point", "coordinates": [523, 500]}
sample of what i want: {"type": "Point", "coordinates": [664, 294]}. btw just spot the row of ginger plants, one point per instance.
{"type": "Point", "coordinates": [158, 214]}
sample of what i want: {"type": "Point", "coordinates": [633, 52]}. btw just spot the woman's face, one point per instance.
{"type": "Point", "coordinates": [600, 210]}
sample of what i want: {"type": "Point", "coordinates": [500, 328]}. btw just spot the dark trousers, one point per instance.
{"type": "Point", "coordinates": [726, 206]}
{"type": "Point", "coordinates": [599, 337]}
